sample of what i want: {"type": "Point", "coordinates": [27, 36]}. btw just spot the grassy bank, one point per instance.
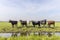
{"type": "Point", "coordinates": [32, 37]}
{"type": "Point", "coordinates": [6, 27]}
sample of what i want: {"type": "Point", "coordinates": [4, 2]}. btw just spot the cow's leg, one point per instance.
{"type": "Point", "coordinates": [39, 25]}
{"type": "Point", "coordinates": [26, 25]}
{"type": "Point", "coordinates": [12, 26]}
{"type": "Point", "coordinates": [34, 25]}
{"type": "Point", "coordinates": [53, 26]}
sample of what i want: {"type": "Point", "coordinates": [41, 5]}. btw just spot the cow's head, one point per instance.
{"type": "Point", "coordinates": [20, 20]}
{"type": "Point", "coordinates": [9, 21]}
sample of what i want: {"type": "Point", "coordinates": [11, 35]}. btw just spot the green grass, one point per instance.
{"type": "Point", "coordinates": [32, 37]}
{"type": "Point", "coordinates": [57, 24]}
{"type": "Point", "coordinates": [7, 27]}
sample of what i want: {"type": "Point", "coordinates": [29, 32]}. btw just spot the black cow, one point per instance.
{"type": "Point", "coordinates": [23, 23]}
{"type": "Point", "coordinates": [43, 22]}
{"type": "Point", "coordinates": [36, 23]}
{"type": "Point", "coordinates": [13, 23]}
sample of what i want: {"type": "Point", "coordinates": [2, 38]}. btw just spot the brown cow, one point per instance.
{"type": "Point", "coordinates": [51, 23]}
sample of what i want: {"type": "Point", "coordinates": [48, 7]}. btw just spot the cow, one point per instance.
{"type": "Point", "coordinates": [35, 23]}
{"type": "Point", "coordinates": [51, 23]}
{"type": "Point", "coordinates": [43, 22]}
{"type": "Point", "coordinates": [13, 23]}
{"type": "Point", "coordinates": [23, 23]}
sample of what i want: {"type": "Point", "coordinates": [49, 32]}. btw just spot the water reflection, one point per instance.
{"type": "Point", "coordinates": [58, 34]}
{"type": "Point", "coordinates": [18, 34]}
{"type": "Point", "coordinates": [5, 34]}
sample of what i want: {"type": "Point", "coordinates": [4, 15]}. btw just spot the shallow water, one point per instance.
{"type": "Point", "coordinates": [9, 34]}
{"type": "Point", "coordinates": [58, 34]}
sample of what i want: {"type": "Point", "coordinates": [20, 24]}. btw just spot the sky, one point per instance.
{"type": "Point", "coordinates": [29, 10]}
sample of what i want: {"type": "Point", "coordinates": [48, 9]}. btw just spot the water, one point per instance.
{"type": "Point", "coordinates": [58, 34]}
{"type": "Point", "coordinates": [5, 34]}
{"type": "Point", "coordinates": [9, 34]}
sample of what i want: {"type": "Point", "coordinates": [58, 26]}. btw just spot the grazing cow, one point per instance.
{"type": "Point", "coordinates": [43, 22]}
{"type": "Point", "coordinates": [51, 23]}
{"type": "Point", "coordinates": [35, 23]}
{"type": "Point", "coordinates": [23, 23]}
{"type": "Point", "coordinates": [13, 23]}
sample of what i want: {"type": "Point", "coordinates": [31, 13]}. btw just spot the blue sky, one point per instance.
{"type": "Point", "coordinates": [29, 10]}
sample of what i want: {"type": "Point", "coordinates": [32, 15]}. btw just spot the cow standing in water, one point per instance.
{"type": "Point", "coordinates": [51, 23]}
{"type": "Point", "coordinates": [13, 23]}
{"type": "Point", "coordinates": [23, 23]}
{"type": "Point", "coordinates": [36, 23]}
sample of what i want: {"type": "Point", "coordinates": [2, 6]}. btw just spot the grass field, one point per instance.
{"type": "Point", "coordinates": [6, 27]}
